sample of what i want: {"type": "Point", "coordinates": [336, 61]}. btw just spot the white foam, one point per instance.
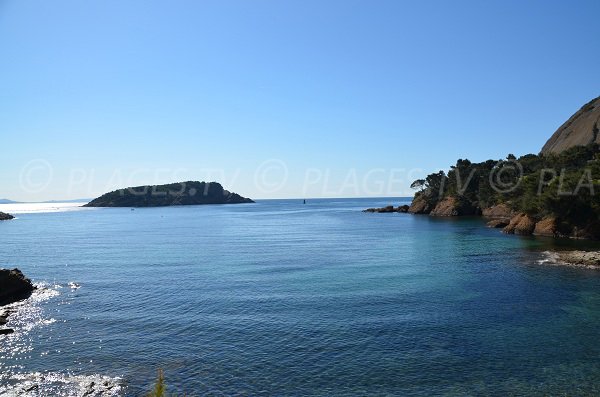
{"type": "Point", "coordinates": [15, 381]}
{"type": "Point", "coordinates": [549, 258]}
{"type": "Point", "coordinates": [59, 384]}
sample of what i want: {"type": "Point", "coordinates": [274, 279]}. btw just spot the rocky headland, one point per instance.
{"type": "Point", "coordinates": [182, 193]}
{"type": "Point", "coordinates": [5, 217]}
{"type": "Point", "coordinates": [555, 193]}
{"type": "Point", "coordinates": [14, 286]}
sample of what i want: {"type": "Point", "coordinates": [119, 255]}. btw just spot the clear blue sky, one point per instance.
{"type": "Point", "coordinates": [97, 94]}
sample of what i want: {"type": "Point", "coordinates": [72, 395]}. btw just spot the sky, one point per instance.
{"type": "Point", "coordinates": [280, 99]}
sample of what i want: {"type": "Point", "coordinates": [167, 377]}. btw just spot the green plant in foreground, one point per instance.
{"type": "Point", "coordinates": [159, 388]}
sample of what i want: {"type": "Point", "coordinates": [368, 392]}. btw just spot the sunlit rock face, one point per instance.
{"type": "Point", "coordinates": [581, 129]}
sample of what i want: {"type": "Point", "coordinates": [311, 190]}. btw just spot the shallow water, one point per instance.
{"type": "Point", "coordinates": [280, 298]}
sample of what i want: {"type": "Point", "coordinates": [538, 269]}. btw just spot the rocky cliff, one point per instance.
{"type": "Point", "coordinates": [580, 130]}
{"type": "Point", "coordinates": [554, 193]}
{"type": "Point", "coordinates": [183, 193]}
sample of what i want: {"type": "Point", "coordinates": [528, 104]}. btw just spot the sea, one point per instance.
{"type": "Point", "coordinates": [281, 298]}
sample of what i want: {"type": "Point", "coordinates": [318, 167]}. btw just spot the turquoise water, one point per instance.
{"type": "Point", "coordinates": [280, 298]}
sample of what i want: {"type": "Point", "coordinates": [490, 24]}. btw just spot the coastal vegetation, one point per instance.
{"type": "Point", "coordinates": [555, 190]}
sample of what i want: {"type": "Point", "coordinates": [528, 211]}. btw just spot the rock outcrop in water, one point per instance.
{"type": "Point", "coordinates": [5, 217]}
{"type": "Point", "coordinates": [580, 130]}
{"type": "Point", "coordinates": [14, 286]}
{"type": "Point", "coordinates": [388, 209]}
{"type": "Point", "coordinates": [183, 193]}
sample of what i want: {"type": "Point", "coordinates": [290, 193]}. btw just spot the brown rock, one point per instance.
{"type": "Point", "coordinates": [419, 205]}
{"type": "Point", "coordinates": [521, 224]}
{"type": "Point", "coordinates": [580, 129]}
{"type": "Point", "coordinates": [546, 227]}
{"type": "Point", "coordinates": [498, 211]}
{"type": "Point", "coordinates": [453, 206]}
{"type": "Point", "coordinates": [498, 223]}
{"type": "Point", "coordinates": [589, 259]}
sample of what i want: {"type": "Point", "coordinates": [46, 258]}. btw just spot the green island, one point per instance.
{"type": "Point", "coordinates": [181, 193]}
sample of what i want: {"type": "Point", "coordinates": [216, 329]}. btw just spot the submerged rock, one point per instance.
{"type": "Point", "coordinates": [498, 223]}
{"type": "Point", "coordinates": [5, 217]}
{"type": "Point", "coordinates": [14, 286]}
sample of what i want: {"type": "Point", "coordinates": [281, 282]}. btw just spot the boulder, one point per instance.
{"type": "Point", "coordinates": [546, 227]}
{"type": "Point", "coordinates": [522, 224]}
{"type": "Point", "coordinates": [5, 216]}
{"type": "Point", "coordinates": [14, 286]}
{"type": "Point", "coordinates": [403, 208]}
{"type": "Point", "coordinates": [453, 206]}
{"type": "Point", "coordinates": [502, 211]}
{"type": "Point", "coordinates": [6, 331]}
{"type": "Point", "coordinates": [498, 223]}
{"type": "Point", "coordinates": [419, 205]}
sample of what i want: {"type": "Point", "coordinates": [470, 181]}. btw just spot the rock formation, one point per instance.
{"type": "Point", "coordinates": [388, 209]}
{"type": "Point", "coordinates": [5, 216]}
{"type": "Point", "coordinates": [14, 286]}
{"type": "Point", "coordinates": [453, 206]}
{"type": "Point", "coordinates": [183, 193]}
{"type": "Point", "coordinates": [581, 129]}
{"type": "Point", "coordinates": [498, 211]}
{"type": "Point", "coordinates": [546, 227]}
{"type": "Point", "coordinates": [419, 205]}
{"type": "Point", "coordinates": [521, 224]}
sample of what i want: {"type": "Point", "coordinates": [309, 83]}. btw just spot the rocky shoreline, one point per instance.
{"type": "Point", "coordinates": [499, 216]}
{"type": "Point", "coordinates": [388, 209]}
{"type": "Point", "coordinates": [585, 259]}
{"type": "Point", "coordinates": [5, 217]}
{"type": "Point", "coordinates": [502, 217]}
{"type": "Point", "coordinates": [14, 286]}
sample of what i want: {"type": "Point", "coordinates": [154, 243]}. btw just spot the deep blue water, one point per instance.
{"type": "Point", "coordinates": [280, 298]}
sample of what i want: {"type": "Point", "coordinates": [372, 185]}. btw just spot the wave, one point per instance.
{"type": "Point", "coordinates": [550, 258]}
{"type": "Point", "coordinates": [26, 316]}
